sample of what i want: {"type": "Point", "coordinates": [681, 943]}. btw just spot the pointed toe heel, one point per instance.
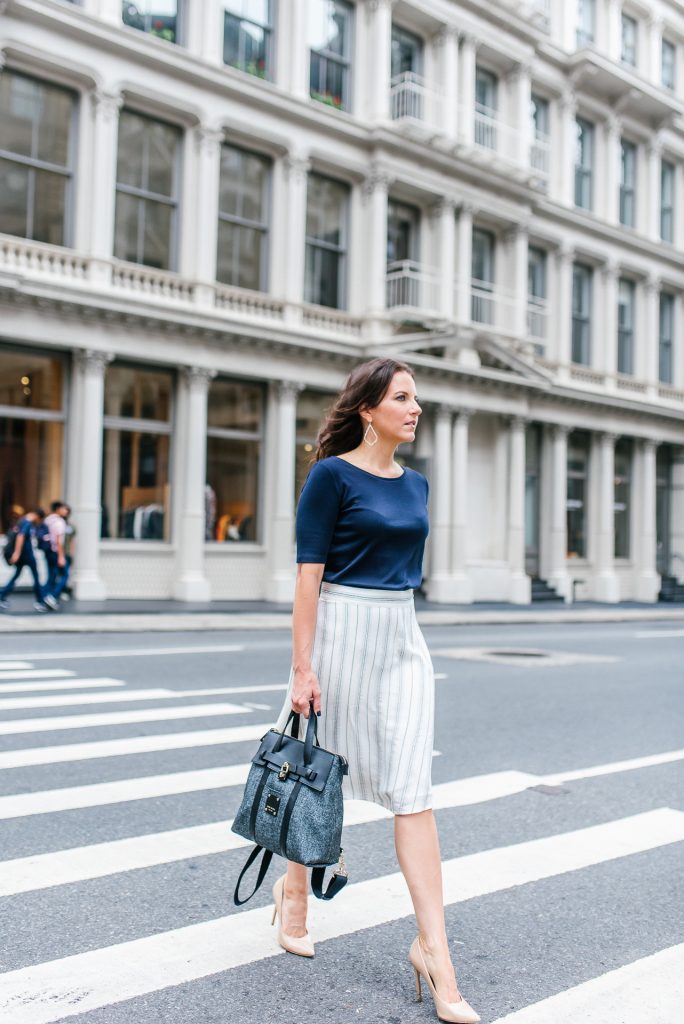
{"type": "Point", "coordinates": [299, 945]}
{"type": "Point", "coordinates": [452, 1013]}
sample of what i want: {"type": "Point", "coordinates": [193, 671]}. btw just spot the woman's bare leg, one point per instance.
{"type": "Point", "coordinates": [295, 900]}
{"type": "Point", "coordinates": [417, 846]}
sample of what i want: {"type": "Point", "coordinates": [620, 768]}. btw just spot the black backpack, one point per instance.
{"type": "Point", "coordinates": [10, 544]}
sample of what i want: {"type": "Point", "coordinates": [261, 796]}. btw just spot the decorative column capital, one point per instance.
{"type": "Point", "coordinates": [653, 284]}
{"type": "Point", "coordinates": [446, 33]}
{"type": "Point", "coordinates": [560, 431]}
{"type": "Point", "coordinates": [519, 230]}
{"type": "Point", "coordinates": [467, 207]}
{"type": "Point", "coordinates": [444, 412]}
{"type": "Point", "coordinates": [469, 39]}
{"type": "Point", "coordinates": [607, 438]}
{"type": "Point", "coordinates": [568, 102]}
{"type": "Point", "coordinates": [614, 124]}
{"type": "Point", "coordinates": [610, 271]}
{"type": "Point", "coordinates": [520, 70]}
{"type": "Point", "coordinates": [445, 206]}
{"type": "Point", "coordinates": [565, 254]}
{"type": "Point", "coordinates": [296, 166]}
{"type": "Point", "coordinates": [649, 445]}
{"type": "Point", "coordinates": [375, 5]}
{"type": "Point", "coordinates": [197, 378]}
{"type": "Point", "coordinates": [379, 180]}
{"type": "Point", "coordinates": [463, 416]}
{"type": "Point", "coordinates": [516, 423]}
{"type": "Point", "coordinates": [288, 390]}
{"type": "Point", "coordinates": [208, 140]}
{"type": "Point", "coordinates": [90, 361]}
{"type": "Point", "coordinates": [107, 105]}
{"type": "Point", "coordinates": [3, 55]}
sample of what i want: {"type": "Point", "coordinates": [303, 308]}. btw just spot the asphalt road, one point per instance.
{"type": "Point", "coordinates": [563, 865]}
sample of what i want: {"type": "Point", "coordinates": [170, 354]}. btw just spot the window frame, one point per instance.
{"type": "Point", "coordinates": [33, 164]}
{"type": "Point", "coordinates": [628, 188]}
{"type": "Point", "coordinates": [668, 170]}
{"type": "Point", "coordinates": [264, 227]}
{"type": "Point", "coordinates": [666, 342]}
{"type": "Point", "coordinates": [584, 476]}
{"type": "Point", "coordinates": [629, 50]}
{"type": "Point", "coordinates": [582, 321]}
{"type": "Point", "coordinates": [180, 30]}
{"type": "Point", "coordinates": [343, 61]}
{"type": "Point", "coordinates": [626, 321]}
{"type": "Point", "coordinates": [666, 45]}
{"type": "Point", "coordinates": [623, 446]}
{"type": "Point", "coordinates": [268, 29]}
{"type": "Point", "coordinates": [585, 32]}
{"type": "Point", "coordinates": [584, 170]}
{"type": "Point", "coordinates": [319, 245]}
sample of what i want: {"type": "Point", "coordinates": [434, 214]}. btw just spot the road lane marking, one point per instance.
{"type": "Point", "coordinates": [28, 725]}
{"type": "Point", "coordinates": [6, 665]}
{"type": "Point", "coordinates": [61, 684]}
{"type": "Point", "coordinates": [136, 652]}
{"type": "Point", "coordinates": [614, 767]}
{"type": "Point", "coordinates": [57, 989]}
{"type": "Point", "coordinates": [36, 673]}
{"type": "Point", "coordinates": [650, 989]}
{"type": "Point", "coordinates": [122, 697]}
{"type": "Point", "coordinates": [648, 634]}
{"type": "Point", "coordinates": [28, 757]}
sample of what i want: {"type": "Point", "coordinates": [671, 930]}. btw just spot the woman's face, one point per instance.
{"type": "Point", "coordinates": [395, 418]}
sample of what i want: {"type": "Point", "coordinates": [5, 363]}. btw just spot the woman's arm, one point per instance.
{"type": "Point", "coordinates": [305, 686]}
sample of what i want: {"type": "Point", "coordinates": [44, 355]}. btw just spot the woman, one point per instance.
{"type": "Point", "coordinates": [358, 652]}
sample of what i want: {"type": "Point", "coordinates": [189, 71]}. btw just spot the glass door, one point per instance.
{"type": "Point", "coordinates": [532, 490]}
{"type": "Point", "coordinates": [663, 503]}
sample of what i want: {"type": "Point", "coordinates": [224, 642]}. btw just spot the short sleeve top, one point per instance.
{"type": "Point", "coordinates": [368, 530]}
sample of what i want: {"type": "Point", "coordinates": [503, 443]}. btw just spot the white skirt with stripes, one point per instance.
{"type": "Point", "coordinates": [377, 694]}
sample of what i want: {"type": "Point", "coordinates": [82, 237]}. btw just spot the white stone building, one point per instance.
{"type": "Point", "coordinates": [210, 210]}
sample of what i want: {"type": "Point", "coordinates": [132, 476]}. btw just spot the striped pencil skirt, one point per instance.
{"type": "Point", "coordinates": [377, 694]}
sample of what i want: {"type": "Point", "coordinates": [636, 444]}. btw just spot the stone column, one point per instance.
{"type": "Point", "coordinates": [296, 172]}
{"type": "Point", "coordinates": [447, 41]}
{"type": "Point", "coordinates": [281, 555]}
{"type": "Point", "coordinates": [440, 548]}
{"type": "Point", "coordinates": [374, 255]}
{"type": "Point", "coordinates": [87, 506]}
{"type": "Point", "coordinates": [647, 354]}
{"type": "Point", "coordinates": [379, 67]}
{"type": "Point", "coordinates": [607, 360]}
{"type": "Point", "coordinates": [521, 84]}
{"type": "Point", "coordinates": [568, 145]}
{"type": "Point", "coordinates": [611, 172]}
{"type": "Point", "coordinates": [102, 183]}
{"type": "Point", "coordinates": [516, 320]}
{"type": "Point", "coordinates": [465, 263]}
{"type": "Point", "coordinates": [443, 213]}
{"type": "Point", "coordinates": [613, 37]}
{"type": "Point", "coordinates": [606, 587]}
{"type": "Point", "coordinates": [109, 10]}
{"type": "Point", "coordinates": [466, 93]}
{"type": "Point", "coordinates": [205, 208]}
{"type": "Point", "coordinates": [564, 260]}
{"type": "Point", "coordinates": [203, 29]}
{"type": "Point", "coordinates": [648, 579]}
{"type": "Point", "coordinates": [292, 51]}
{"type": "Point", "coordinates": [569, 26]}
{"type": "Point", "coordinates": [461, 583]}
{"type": "Point", "coordinates": [520, 587]}
{"type": "Point", "coordinates": [191, 583]}
{"type": "Point", "coordinates": [558, 576]}
{"type": "Point", "coordinates": [654, 156]}
{"type": "Point", "coordinates": [654, 42]}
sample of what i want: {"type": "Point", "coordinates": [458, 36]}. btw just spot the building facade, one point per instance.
{"type": "Point", "coordinates": [211, 210]}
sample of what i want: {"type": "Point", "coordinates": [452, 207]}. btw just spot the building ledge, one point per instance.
{"type": "Point", "coordinates": [622, 87]}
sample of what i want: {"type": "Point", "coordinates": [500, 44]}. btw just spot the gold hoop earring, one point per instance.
{"type": "Point", "coordinates": [370, 429]}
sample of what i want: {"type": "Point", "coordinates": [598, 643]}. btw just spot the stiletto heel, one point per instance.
{"type": "Point", "coordinates": [453, 1013]}
{"type": "Point", "coordinates": [419, 994]}
{"type": "Point", "coordinates": [301, 945]}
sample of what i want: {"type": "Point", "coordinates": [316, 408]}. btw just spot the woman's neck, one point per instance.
{"type": "Point", "coordinates": [379, 459]}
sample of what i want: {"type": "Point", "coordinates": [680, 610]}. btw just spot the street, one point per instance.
{"type": "Point", "coordinates": [559, 797]}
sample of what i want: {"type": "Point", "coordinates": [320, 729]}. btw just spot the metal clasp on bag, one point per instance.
{"type": "Point", "coordinates": [284, 771]}
{"type": "Point", "coordinates": [341, 868]}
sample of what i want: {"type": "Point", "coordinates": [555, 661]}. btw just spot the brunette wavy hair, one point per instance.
{"type": "Point", "coordinates": [365, 387]}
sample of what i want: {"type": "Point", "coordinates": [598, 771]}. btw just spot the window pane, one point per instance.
{"type": "Point", "coordinates": [406, 53]}
{"type": "Point", "coordinates": [158, 223]}
{"type": "Point", "coordinates": [162, 142]}
{"type": "Point", "coordinates": [135, 485]}
{"type": "Point", "coordinates": [242, 184]}
{"type": "Point", "coordinates": [245, 46]}
{"type": "Point", "coordinates": [35, 118]}
{"type": "Point", "coordinates": [621, 506]}
{"type": "Point", "coordinates": [322, 274]}
{"type": "Point", "coordinates": [128, 212]}
{"type": "Point", "coordinates": [536, 273]}
{"type": "Point", "coordinates": [328, 23]}
{"type": "Point", "coordinates": [402, 232]}
{"type": "Point", "coordinates": [233, 478]}
{"type": "Point", "coordinates": [14, 190]}
{"type": "Point", "coordinates": [483, 256]}
{"type": "Point", "coordinates": [54, 125]}
{"type": "Point", "coordinates": [158, 17]}
{"type": "Point", "coordinates": [539, 113]}
{"type": "Point", "coordinates": [31, 381]}
{"type": "Point", "coordinates": [132, 134]}
{"type": "Point", "coordinates": [326, 202]}
{"type": "Point", "coordinates": [136, 393]}
{"type": "Point", "coordinates": [578, 467]}
{"type": "Point", "coordinates": [255, 10]}
{"type": "Point", "coordinates": [235, 405]}
{"type": "Point", "coordinates": [485, 89]}
{"type": "Point", "coordinates": [31, 465]}
{"type": "Point", "coordinates": [668, 61]}
{"type": "Point", "coordinates": [48, 214]}
{"type": "Point", "coordinates": [239, 256]}
{"type": "Point", "coordinates": [311, 409]}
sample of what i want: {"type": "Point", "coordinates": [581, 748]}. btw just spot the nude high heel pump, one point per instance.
{"type": "Point", "coordinates": [301, 945]}
{"type": "Point", "coordinates": [454, 1013]}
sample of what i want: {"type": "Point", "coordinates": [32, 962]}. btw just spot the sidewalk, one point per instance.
{"type": "Point", "coordinates": [177, 616]}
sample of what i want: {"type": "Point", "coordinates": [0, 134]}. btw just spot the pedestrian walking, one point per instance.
{"type": "Point", "coordinates": [55, 549]}
{"type": "Point", "coordinates": [23, 556]}
{"type": "Point", "coordinates": [359, 654]}
{"type": "Point", "coordinates": [69, 548]}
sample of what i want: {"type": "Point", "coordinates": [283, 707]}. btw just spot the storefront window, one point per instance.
{"type": "Point", "coordinates": [234, 442]}
{"type": "Point", "coordinates": [137, 440]}
{"type": "Point", "coordinates": [576, 505]}
{"type": "Point", "coordinates": [621, 506]}
{"type": "Point", "coordinates": [31, 432]}
{"type": "Point", "coordinates": [311, 409]}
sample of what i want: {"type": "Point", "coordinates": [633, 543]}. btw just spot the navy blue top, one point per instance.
{"type": "Point", "coordinates": [368, 530]}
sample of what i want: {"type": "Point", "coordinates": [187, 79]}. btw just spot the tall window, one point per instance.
{"type": "Point", "coordinates": [483, 276]}
{"type": "Point", "coordinates": [586, 22]}
{"type": "Point", "coordinates": [243, 219]}
{"type": "Point", "coordinates": [135, 469]}
{"type": "Point", "coordinates": [582, 277]}
{"type": "Point", "coordinates": [629, 40]}
{"type": "Point", "coordinates": [146, 191]}
{"type": "Point", "coordinates": [36, 159]}
{"type": "Point", "coordinates": [326, 242]}
{"type": "Point", "coordinates": [668, 64]}
{"type": "Point", "coordinates": [159, 18]}
{"type": "Point", "coordinates": [539, 150]}
{"type": "Point", "coordinates": [625, 354]}
{"type": "Point", "coordinates": [403, 228]}
{"type": "Point", "coordinates": [628, 161]}
{"type": "Point", "coordinates": [486, 102]}
{"type": "Point", "coordinates": [667, 187]}
{"type": "Point", "coordinates": [311, 409]}
{"type": "Point", "coordinates": [32, 414]}
{"type": "Point", "coordinates": [330, 23]}
{"type": "Point", "coordinates": [584, 164]}
{"type": "Point", "coordinates": [536, 292]}
{"type": "Point", "coordinates": [248, 36]}
{"type": "Point", "coordinates": [406, 71]}
{"type": "Point", "coordinates": [665, 338]}
{"type": "Point", "coordinates": [576, 504]}
{"type": "Point", "coordinates": [622, 499]}
{"type": "Point", "coordinates": [234, 443]}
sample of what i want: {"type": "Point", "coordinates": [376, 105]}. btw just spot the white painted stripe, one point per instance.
{"type": "Point", "coordinates": [51, 991]}
{"type": "Point", "coordinates": [99, 794]}
{"type": "Point", "coordinates": [649, 990]}
{"type": "Point", "coordinates": [136, 652]}
{"type": "Point", "coordinates": [122, 697]}
{"type": "Point", "coordinates": [6, 665]}
{"type": "Point", "coordinates": [37, 673]}
{"type": "Point", "coordinates": [76, 865]}
{"type": "Point", "coordinates": [62, 684]}
{"type": "Point", "coordinates": [131, 745]}
{"type": "Point", "coordinates": [655, 635]}
{"type": "Point", "coordinates": [25, 725]}
{"type": "Point", "coordinates": [614, 767]}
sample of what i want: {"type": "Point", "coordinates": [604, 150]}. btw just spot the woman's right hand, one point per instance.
{"type": "Point", "coordinates": [306, 688]}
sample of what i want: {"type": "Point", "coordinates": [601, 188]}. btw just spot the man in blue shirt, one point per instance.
{"type": "Point", "coordinates": [23, 556]}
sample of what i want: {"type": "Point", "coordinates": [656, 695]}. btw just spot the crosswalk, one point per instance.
{"type": "Point", "coordinates": [103, 975]}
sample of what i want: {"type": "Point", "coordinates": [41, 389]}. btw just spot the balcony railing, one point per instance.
{"type": "Point", "coordinates": [410, 284]}
{"type": "Point", "coordinates": [411, 98]}
{"type": "Point", "coordinates": [490, 304]}
{"type": "Point", "coordinates": [539, 154]}
{"type": "Point", "coordinates": [537, 317]}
